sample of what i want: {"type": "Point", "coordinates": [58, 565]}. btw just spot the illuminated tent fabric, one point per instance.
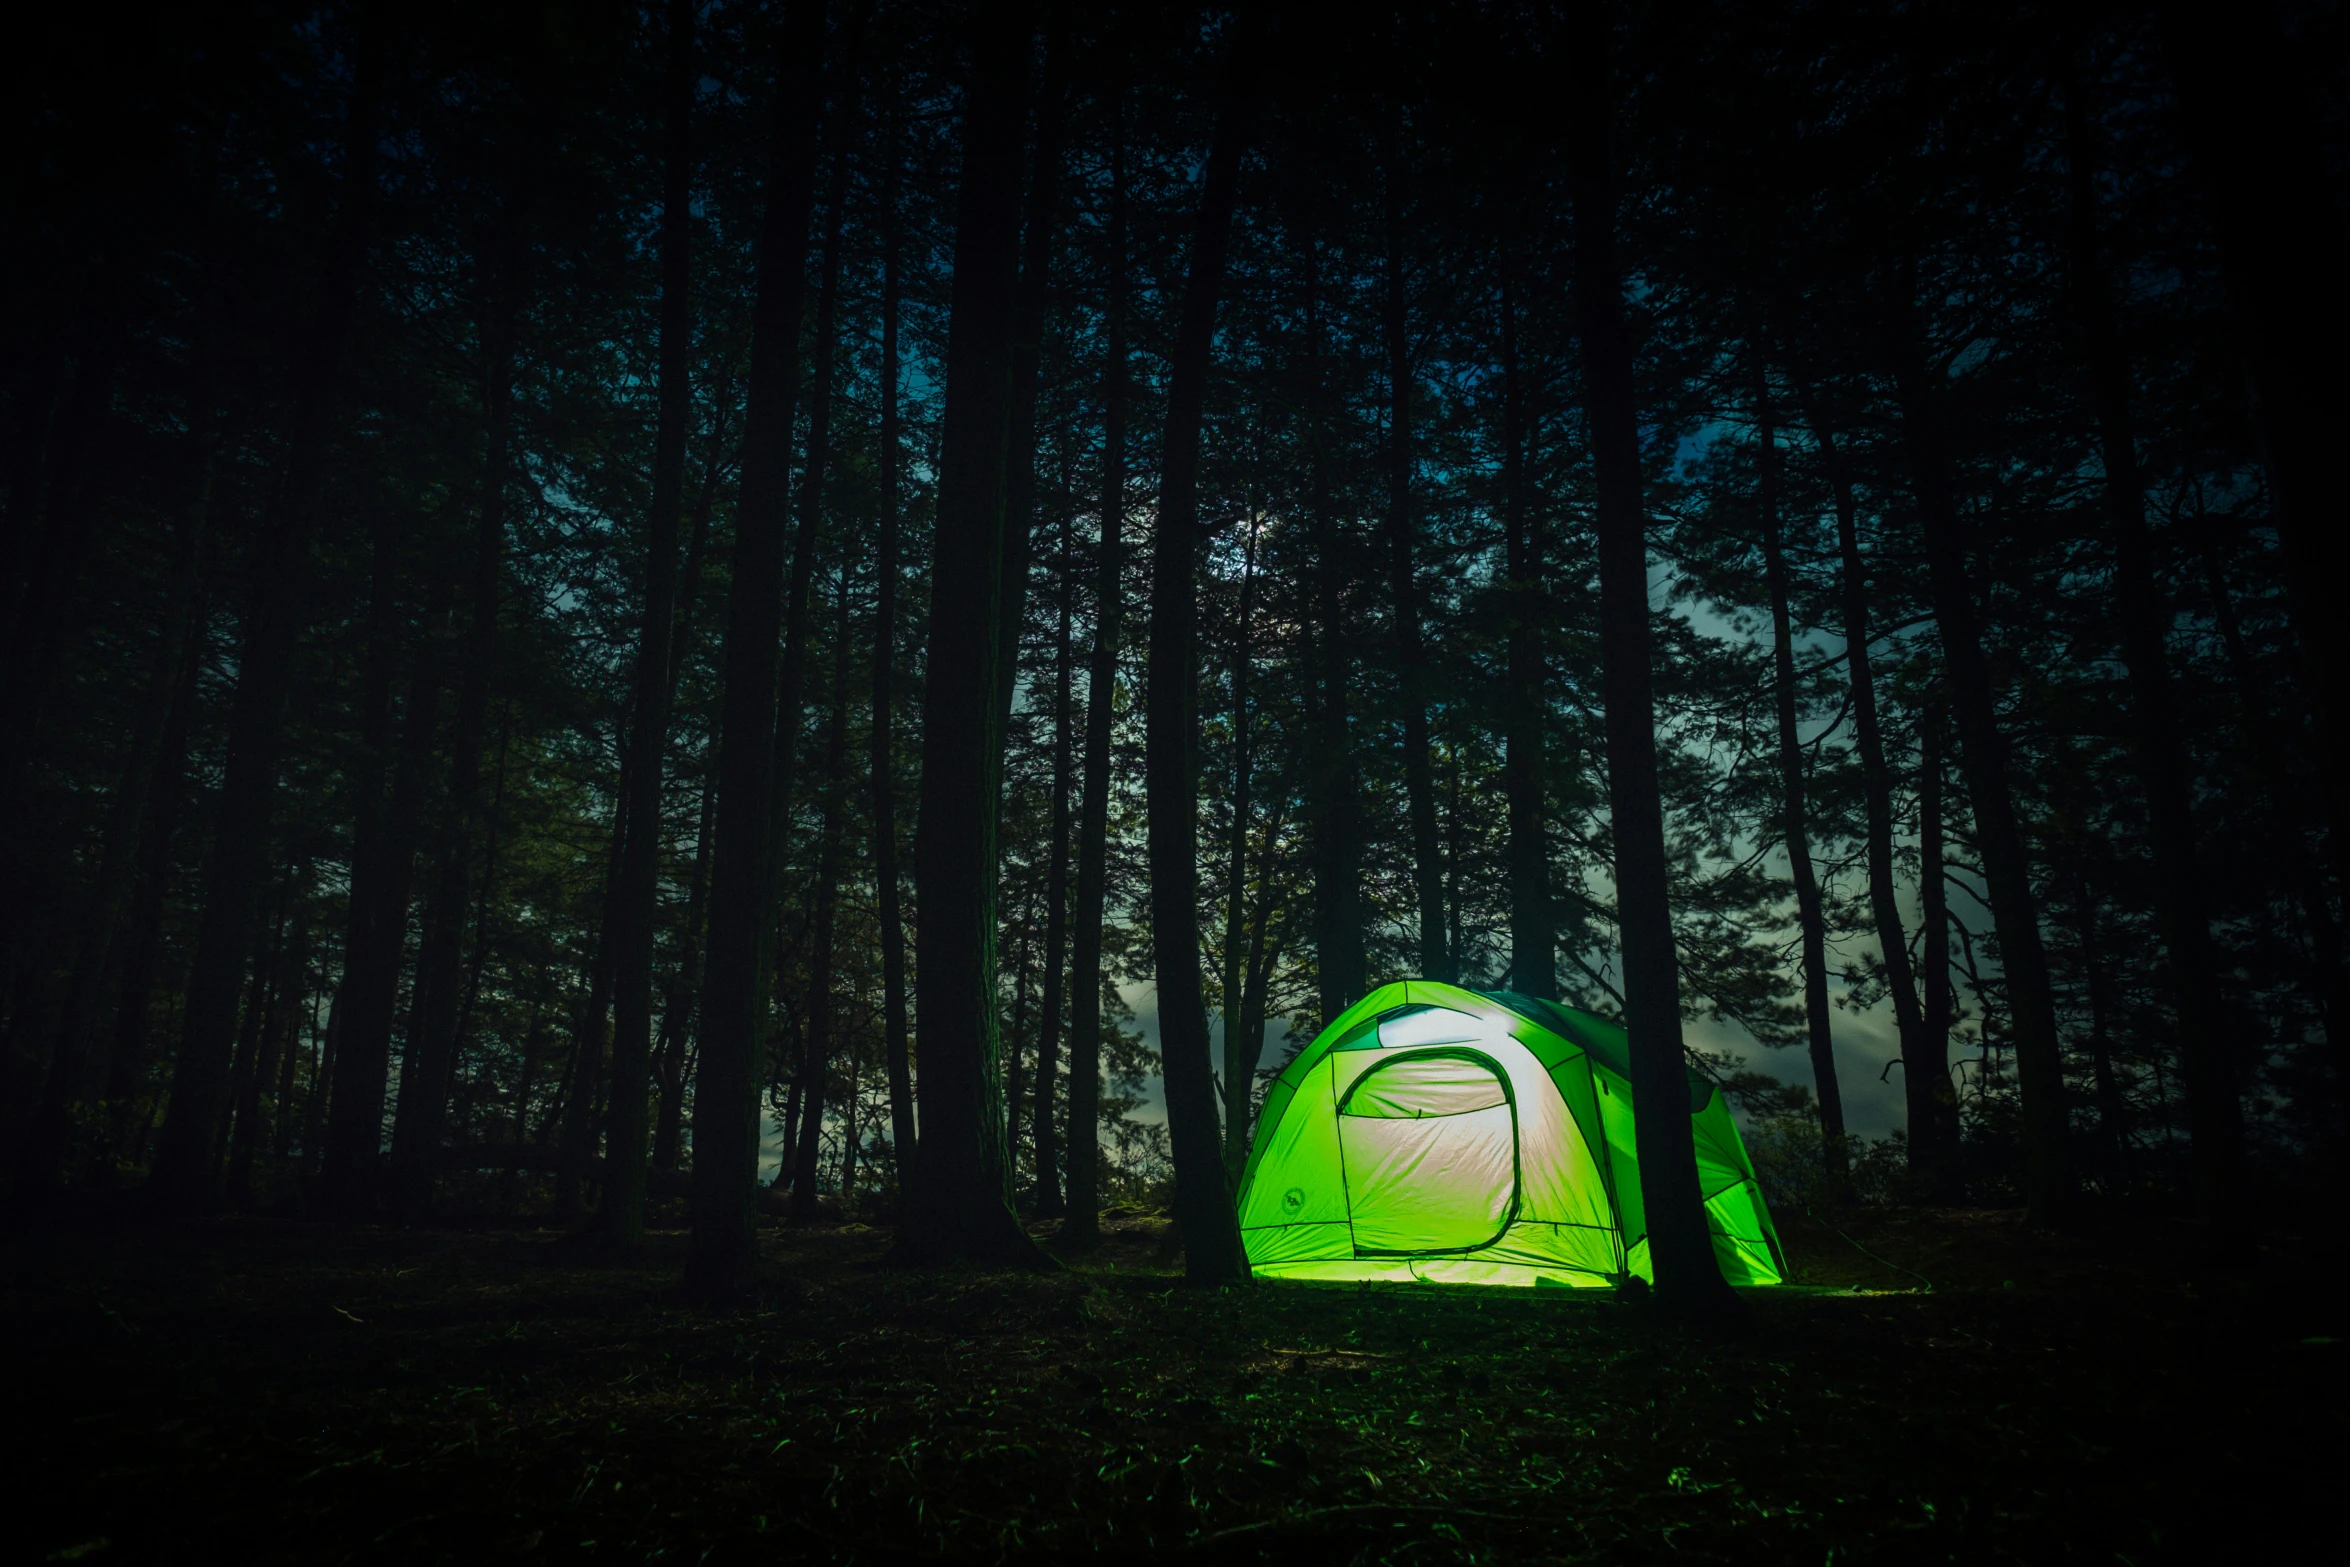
{"type": "Point", "coordinates": [1439, 1134]}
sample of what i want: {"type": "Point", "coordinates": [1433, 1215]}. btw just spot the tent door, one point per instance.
{"type": "Point", "coordinates": [1430, 1144]}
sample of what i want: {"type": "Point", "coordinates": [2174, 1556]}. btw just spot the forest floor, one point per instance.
{"type": "Point", "coordinates": [268, 1390]}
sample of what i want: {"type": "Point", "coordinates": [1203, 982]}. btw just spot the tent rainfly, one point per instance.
{"type": "Point", "coordinates": [1438, 1134]}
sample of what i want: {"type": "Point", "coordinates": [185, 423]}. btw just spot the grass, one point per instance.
{"type": "Point", "coordinates": [267, 1390]}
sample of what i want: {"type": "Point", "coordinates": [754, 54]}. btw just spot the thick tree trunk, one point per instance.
{"type": "Point", "coordinates": [1982, 756]}
{"type": "Point", "coordinates": [2215, 1112]}
{"type": "Point", "coordinates": [181, 1178]}
{"type": "Point", "coordinates": [959, 1205]}
{"type": "Point", "coordinates": [1082, 1226]}
{"type": "Point", "coordinates": [1533, 944]}
{"type": "Point", "coordinates": [622, 1218]}
{"type": "Point", "coordinates": [896, 1056]}
{"type": "Point", "coordinates": [1056, 898]}
{"type": "Point", "coordinates": [1794, 812]}
{"type": "Point", "coordinates": [2261, 162]}
{"type": "Point", "coordinates": [1688, 1281]}
{"type": "Point", "coordinates": [1203, 1203]}
{"type": "Point", "coordinates": [742, 916]}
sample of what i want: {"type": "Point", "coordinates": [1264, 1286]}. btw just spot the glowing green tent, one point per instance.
{"type": "Point", "coordinates": [1439, 1134]}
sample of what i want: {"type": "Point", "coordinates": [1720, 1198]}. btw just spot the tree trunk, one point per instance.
{"type": "Point", "coordinates": [2254, 149]}
{"type": "Point", "coordinates": [1937, 1007]}
{"type": "Point", "coordinates": [622, 1218]}
{"type": "Point", "coordinates": [420, 1124]}
{"type": "Point", "coordinates": [181, 1178]}
{"type": "Point", "coordinates": [819, 1046]}
{"type": "Point", "coordinates": [1533, 943]}
{"type": "Point", "coordinates": [1794, 815]}
{"type": "Point", "coordinates": [383, 868]}
{"type": "Point", "coordinates": [1082, 1226]}
{"type": "Point", "coordinates": [1241, 1048]}
{"type": "Point", "coordinates": [1036, 255]}
{"type": "Point", "coordinates": [2215, 1113]}
{"type": "Point", "coordinates": [1203, 1203]}
{"type": "Point", "coordinates": [677, 1013]}
{"type": "Point", "coordinates": [1056, 898]}
{"type": "Point", "coordinates": [287, 962]}
{"type": "Point", "coordinates": [960, 1202]}
{"type": "Point", "coordinates": [896, 1057]}
{"type": "Point", "coordinates": [1983, 762]}
{"type": "Point", "coordinates": [1925, 1070]}
{"type": "Point", "coordinates": [590, 1040]}
{"type": "Point", "coordinates": [1688, 1281]}
{"type": "Point", "coordinates": [1341, 966]}
{"type": "Point", "coordinates": [742, 916]}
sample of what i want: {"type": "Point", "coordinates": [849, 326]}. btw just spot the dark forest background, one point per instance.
{"type": "Point", "coordinates": [589, 585]}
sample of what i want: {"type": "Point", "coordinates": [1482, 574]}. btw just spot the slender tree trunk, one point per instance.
{"type": "Point", "coordinates": [1036, 255]}
{"type": "Point", "coordinates": [421, 1123]}
{"type": "Point", "coordinates": [182, 1175]}
{"type": "Point", "coordinates": [2215, 1112]}
{"type": "Point", "coordinates": [1342, 967]}
{"type": "Point", "coordinates": [677, 1015]}
{"type": "Point", "coordinates": [243, 1076]}
{"type": "Point", "coordinates": [896, 1056]}
{"type": "Point", "coordinates": [821, 1045]}
{"type": "Point", "coordinates": [1937, 1007]}
{"type": "Point", "coordinates": [1925, 1073]}
{"type": "Point", "coordinates": [960, 1202]}
{"type": "Point", "coordinates": [1533, 944]}
{"type": "Point", "coordinates": [383, 868]}
{"type": "Point", "coordinates": [322, 1074]}
{"type": "Point", "coordinates": [622, 1217]}
{"type": "Point", "coordinates": [1402, 526]}
{"type": "Point", "coordinates": [2260, 160]}
{"type": "Point", "coordinates": [282, 1141]}
{"type": "Point", "coordinates": [732, 1073]}
{"type": "Point", "coordinates": [1241, 1048]}
{"type": "Point", "coordinates": [2099, 977]}
{"type": "Point", "coordinates": [585, 1087]}
{"type": "Point", "coordinates": [143, 940]}
{"type": "Point", "coordinates": [1203, 1204]}
{"type": "Point", "coordinates": [1794, 813]}
{"type": "Point", "coordinates": [1082, 1226]}
{"type": "Point", "coordinates": [1983, 762]}
{"type": "Point", "coordinates": [1056, 898]}
{"type": "Point", "coordinates": [1688, 1280]}
{"type": "Point", "coordinates": [287, 962]}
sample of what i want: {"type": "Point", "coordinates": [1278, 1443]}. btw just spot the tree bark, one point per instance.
{"type": "Point", "coordinates": [1983, 763]}
{"type": "Point", "coordinates": [1936, 1005]}
{"type": "Point", "coordinates": [959, 1205]}
{"type": "Point", "coordinates": [626, 1153]}
{"type": "Point", "coordinates": [1688, 1281]}
{"type": "Point", "coordinates": [1203, 1206]}
{"type": "Point", "coordinates": [181, 1178]}
{"type": "Point", "coordinates": [2215, 1112]}
{"type": "Point", "coordinates": [742, 916]}
{"type": "Point", "coordinates": [1794, 814]}
{"type": "Point", "coordinates": [1081, 1227]}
